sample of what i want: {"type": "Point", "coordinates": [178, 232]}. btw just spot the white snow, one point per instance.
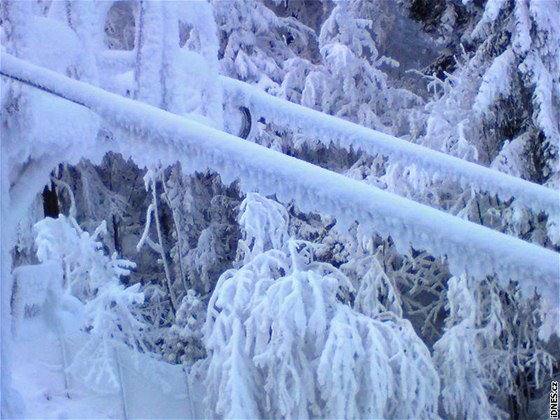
{"type": "Point", "coordinates": [152, 389]}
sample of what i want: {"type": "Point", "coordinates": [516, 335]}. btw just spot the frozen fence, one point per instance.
{"type": "Point", "coordinates": [346, 134]}
{"type": "Point", "coordinates": [149, 133]}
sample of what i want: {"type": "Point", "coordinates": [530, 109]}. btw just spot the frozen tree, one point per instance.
{"type": "Point", "coordinates": [480, 330]}
{"type": "Point", "coordinates": [196, 237]}
{"type": "Point", "coordinates": [463, 387]}
{"type": "Point", "coordinates": [376, 292]}
{"type": "Point", "coordinates": [255, 41]}
{"type": "Point", "coordinates": [507, 118]}
{"type": "Point", "coordinates": [204, 233]}
{"type": "Point", "coordinates": [110, 320]}
{"type": "Point", "coordinates": [257, 44]}
{"type": "Point", "coordinates": [80, 253]}
{"type": "Point", "coordinates": [183, 342]}
{"type": "Point", "coordinates": [159, 245]}
{"type": "Point", "coordinates": [177, 78]}
{"type": "Point", "coordinates": [302, 331]}
{"type": "Point", "coordinates": [351, 84]}
{"type": "Point", "coordinates": [166, 57]}
{"type": "Point", "coordinates": [270, 321]}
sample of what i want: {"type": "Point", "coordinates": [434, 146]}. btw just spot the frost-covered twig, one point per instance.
{"type": "Point", "coordinates": [177, 233]}
{"type": "Point", "coordinates": [61, 183]}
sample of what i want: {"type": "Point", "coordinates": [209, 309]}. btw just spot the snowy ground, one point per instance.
{"type": "Point", "coordinates": [39, 377]}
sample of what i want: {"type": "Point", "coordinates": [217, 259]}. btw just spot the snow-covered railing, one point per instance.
{"type": "Point", "coordinates": [151, 134]}
{"type": "Point", "coordinates": [342, 133]}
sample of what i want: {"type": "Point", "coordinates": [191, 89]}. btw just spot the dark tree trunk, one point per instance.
{"type": "Point", "coordinates": [50, 202]}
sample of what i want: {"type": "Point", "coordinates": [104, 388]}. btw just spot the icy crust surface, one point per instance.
{"type": "Point", "coordinates": [147, 133]}
{"type": "Point", "coordinates": [345, 134]}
